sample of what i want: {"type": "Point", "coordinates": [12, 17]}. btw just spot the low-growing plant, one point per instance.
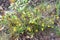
{"type": "Point", "coordinates": [30, 20]}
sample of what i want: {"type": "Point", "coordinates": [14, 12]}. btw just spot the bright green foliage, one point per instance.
{"type": "Point", "coordinates": [30, 20]}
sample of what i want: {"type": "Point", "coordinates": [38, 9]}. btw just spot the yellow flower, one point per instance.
{"type": "Point", "coordinates": [36, 30]}
{"type": "Point", "coordinates": [23, 16]}
{"type": "Point", "coordinates": [14, 29]}
{"type": "Point", "coordinates": [28, 28]}
{"type": "Point", "coordinates": [28, 14]}
{"type": "Point", "coordinates": [16, 18]}
{"type": "Point", "coordinates": [48, 6]}
{"type": "Point", "coordinates": [57, 17]}
{"type": "Point", "coordinates": [32, 22]}
{"type": "Point", "coordinates": [42, 29]}
{"type": "Point", "coordinates": [48, 25]}
{"type": "Point", "coordinates": [52, 22]}
{"type": "Point", "coordinates": [43, 24]}
{"type": "Point", "coordinates": [19, 24]}
{"type": "Point", "coordinates": [24, 13]}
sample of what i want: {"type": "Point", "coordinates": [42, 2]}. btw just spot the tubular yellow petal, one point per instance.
{"type": "Point", "coordinates": [42, 29]}
{"type": "Point", "coordinates": [14, 29]}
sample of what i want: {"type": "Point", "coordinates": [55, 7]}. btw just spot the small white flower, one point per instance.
{"type": "Point", "coordinates": [0, 16]}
